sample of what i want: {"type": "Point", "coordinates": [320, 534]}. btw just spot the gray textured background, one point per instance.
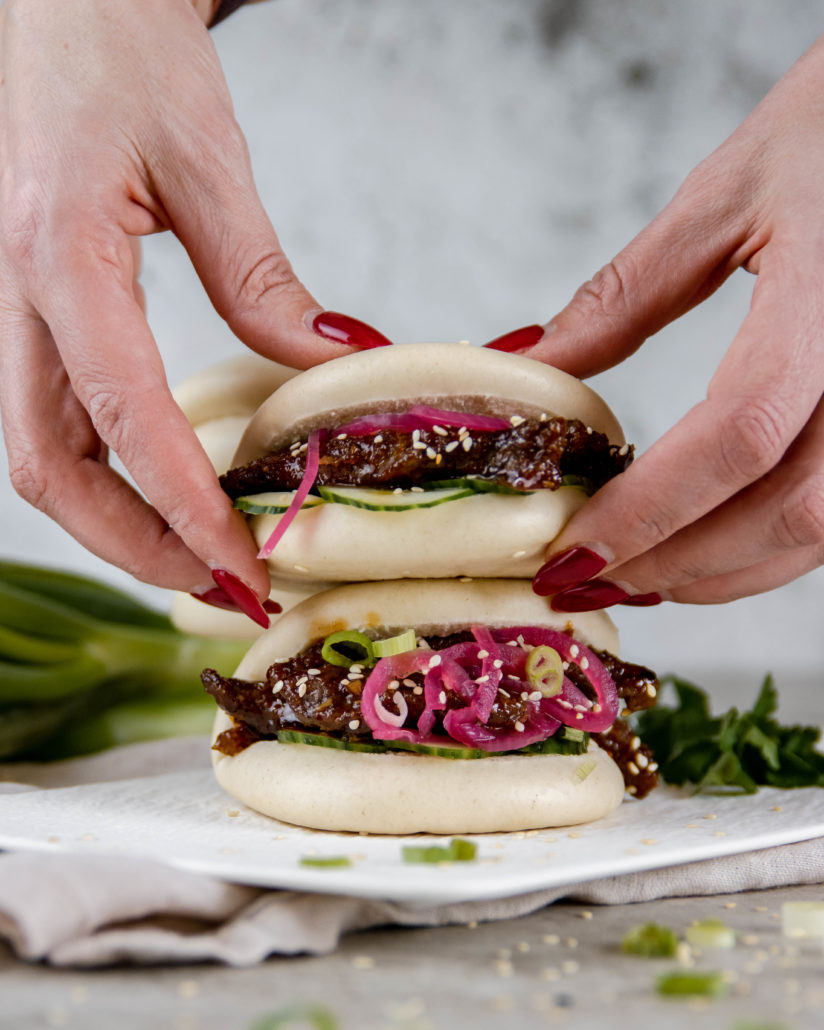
{"type": "Point", "coordinates": [449, 170]}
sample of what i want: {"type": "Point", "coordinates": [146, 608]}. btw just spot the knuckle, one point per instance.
{"type": "Point", "coordinates": [105, 404]}
{"type": "Point", "coordinates": [190, 512]}
{"type": "Point", "coordinates": [801, 521]}
{"type": "Point", "coordinates": [266, 278]}
{"type": "Point", "coordinates": [752, 438]}
{"type": "Point", "coordinates": [29, 477]}
{"type": "Point", "coordinates": [21, 222]}
{"type": "Point", "coordinates": [606, 295]}
{"type": "Point", "coordinates": [675, 568]}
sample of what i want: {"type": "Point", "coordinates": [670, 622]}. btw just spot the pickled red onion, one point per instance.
{"type": "Point", "coordinates": [420, 416]}
{"type": "Point", "coordinates": [309, 476]}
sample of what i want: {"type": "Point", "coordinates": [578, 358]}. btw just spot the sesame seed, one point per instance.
{"type": "Point", "coordinates": [418, 445]}
{"type": "Point", "coordinates": [442, 697]}
{"type": "Point", "coordinates": [466, 443]}
{"type": "Point", "coordinates": [356, 667]}
{"type": "Point", "coordinates": [393, 685]}
{"type": "Point", "coordinates": [278, 686]}
{"type": "Point", "coordinates": [551, 938]}
{"type": "Point", "coordinates": [398, 490]}
{"type": "Point", "coordinates": [483, 654]}
{"type": "Point", "coordinates": [344, 682]}
{"type": "Point", "coordinates": [465, 579]}
{"type": "Point", "coordinates": [416, 489]}
{"type": "Point", "coordinates": [462, 431]}
{"type": "Point", "coordinates": [519, 726]}
{"type": "Point", "coordinates": [313, 672]}
{"type": "Point", "coordinates": [303, 448]}
{"type": "Point", "coordinates": [544, 416]}
{"type": "Point", "coordinates": [623, 450]}
{"type": "Point", "coordinates": [635, 743]}
{"type": "Point", "coordinates": [417, 690]}
{"type": "Point", "coordinates": [450, 447]}
{"type": "Point", "coordinates": [519, 554]}
{"type": "Point", "coordinates": [302, 680]}
{"type": "Point", "coordinates": [574, 651]}
{"type": "Point", "coordinates": [651, 690]}
{"type": "Point", "coordinates": [580, 708]}
{"type": "Point", "coordinates": [416, 434]}
{"type": "Point", "coordinates": [584, 663]}
{"type": "Point", "coordinates": [632, 789]}
{"type": "Point", "coordinates": [653, 767]}
{"type": "Point", "coordinates": [641, 759]}
{"type": "Point", "coordinates": [497, 664]}
{"type": "Point", "coordinates": [409, 683]}
{"type": "Point", "coordinates": [482, 679]}
{"type": "Point", "coordinates": [431, 453]}
{"type": "Point", "coordinates": [524, 695]}
{"type": "Point", "coordinates": [379, 438]}
{"type": "Point", "coordinates": [341, 436]}
{"type": "Point", "coordinates": [633, 768]}
{"type": "Point", "coordinates": [440, 430]}
{"type": "Point", "coordinates": [516, 420]}
{"type": "Point", "coordinates": [596, 707]}
{"type": "Point", "coordinates": [504, 692]}
{"type": "Point", "coordinates": [434, 660]}
{"type": "Point", "coordinates": [300, 568]}
{"type": "Point", "coordinates": [589, 430]}
{"type": "Point", "coordinates": [302, 690]}
{"type": "Point", "coordinates": [354, 723]}
{"type": "Point", "coordinates": [579, 715]}
{"type": "Point", "coordinates": [536, 695]}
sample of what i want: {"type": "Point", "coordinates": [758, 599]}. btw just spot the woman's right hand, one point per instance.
{"type": "Point", "coordinates": [116, 123]}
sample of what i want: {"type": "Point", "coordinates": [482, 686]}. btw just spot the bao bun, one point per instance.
{"type": "Point", "coordinates": [487, 535]}
{"type": "Point", "coordinates": [334, 789]}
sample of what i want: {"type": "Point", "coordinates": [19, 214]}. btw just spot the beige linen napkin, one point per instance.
{"type": "Point", "coordinates": [75, 910]}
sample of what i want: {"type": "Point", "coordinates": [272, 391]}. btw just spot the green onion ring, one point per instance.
{"type": "Point", "coordinates": [355, 641]}
{"type": "Point", "coordinates": [405, 641]}
{"type": "Point", "coordinates": [545, 670]}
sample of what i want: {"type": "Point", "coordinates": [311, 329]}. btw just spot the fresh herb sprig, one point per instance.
{"type": "Point", "coordinates": [732, 753]}
{"type": "Point", "coordinates": [84, 666]}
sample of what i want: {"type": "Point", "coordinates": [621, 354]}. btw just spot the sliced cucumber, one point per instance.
{"type": "Point", "coordinates": [476, 485]}
{"type": "Point", "coordinates": [272, 503]}
{"type": "Point", "coordinates": [441, 751]}
{"type": "Point", "coordinates": [388, 500]}
{"type": "Point", "coordinates": [321, 740]}
{"type": "Point", "coordinates": [554, 746]}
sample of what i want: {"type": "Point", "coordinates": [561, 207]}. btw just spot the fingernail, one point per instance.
{"type": "Point", "coordinates": [272, 606]}
{"type": "Point", "coordinates": [526, 336]}
{"type": "Point", "coordinates": [242, 595]}
{"type": "Point", "coordinates": [598, 593]}
{"type": "Point", "coordinates": [567, 569]}
{"type": "Point", "coordinates": [332, 325]}
{"type": "Point", "coordinates": [216, 598]}
{"type": "Point", "coordinates": [643, 600]}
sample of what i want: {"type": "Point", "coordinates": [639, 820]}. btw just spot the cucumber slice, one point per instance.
{"type": "Point", "coordinates": [321, 740]}
{"type": "Point", "coordinates": [388, 500]}
{"type": "Point", "coordinates": [476, 485]}
{"type": "Point", "coordinates": [272, 503]}
{"type": "Point", "coordinates": [441, 751]}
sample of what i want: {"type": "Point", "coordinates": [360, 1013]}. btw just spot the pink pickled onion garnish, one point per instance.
{"type": "Point", "coordinates": [490, 675]}
{"type": "Point", "coordinates": [385, 671]}
{"type": "Point", "coordinates": [420, 416]}
{"type": "Point", "coordinates": [309, 476]}
{"type": "Point", "coordinates": [595, 717]}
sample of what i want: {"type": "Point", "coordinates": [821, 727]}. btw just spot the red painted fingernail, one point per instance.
{"type": "Point", "coordinates": [243, 597]}
{"type": "Point", "coordinates": [217, 599]}
{"type": "Point", "coordinates": [332, 325]}
{"type": "Point", "coordinates": [643, 600]}
{"type": "Point", "coordinates": [598, 593]}
{"type": "Point", "coordinates": [526, 336]}
{"type": "Point", "coordinates": [567, 569]}
{"type": "Point", "coordinates": [272, 607]}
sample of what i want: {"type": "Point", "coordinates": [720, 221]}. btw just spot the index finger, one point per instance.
{"type": "Point", "coordinates": [116, 372]}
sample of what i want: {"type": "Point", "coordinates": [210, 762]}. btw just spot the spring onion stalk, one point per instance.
{"type": "Point", "coordinates": [650, 940]}
{"type": "Point", "coordinates": [84, 666]}
{"type": "Point", "coordinates": [347, 647]}
{"type": "Point", "coordinates": [405, 641]}
{"type": "Point", "coordinates": [325, 861]}
{"type": "Point", "coordinates": [803, 919]}
{"type": "Point", "coordinates": [457, 850]}
{"type": "Point", "coordinates": [545, 670]}
{"type": "Point", "coordinates": [689, 984]}
{"type": "Point", "coordinates": [298, 1017]}
{"type": "Point", "coordinates": [710, 935]}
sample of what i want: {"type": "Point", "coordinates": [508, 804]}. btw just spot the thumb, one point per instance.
{"type": "Point", "coordinates": [214, 209]}
{"type": "Point", "coordinates": [677, 261]}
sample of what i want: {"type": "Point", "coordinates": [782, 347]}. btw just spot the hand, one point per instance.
{"type": "Point", "coordinates": [116, 123]}
{"type": "Point", "coordinates": [730, 501]}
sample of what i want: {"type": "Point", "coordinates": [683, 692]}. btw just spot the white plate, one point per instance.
{"type": "Point", "coordinates": [185, 820]}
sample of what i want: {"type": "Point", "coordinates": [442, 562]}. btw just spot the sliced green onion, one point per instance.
{"type": "Point", "coordinates": [802, 919]}
{"type": "Point", "coordinates": [405, 641]}
{"type": "Point", "coordinates": [710, 934]}
{"type": "Point", "coordinates": [707, 985]}
{"type": "Point", "coordinates": [545, 670]}
{"type": "Point", "coordinates": [325, 861]}
{"type": "Point", "coordinates": [457, 850]}
{"type": "Point", "coordinates": [347, 647]}
{"type": "Point", "coordinates": [570, 733]}
{"type": "Point", "coordinates": [650, 940]}
{"type": "Point", "coordinates": [584, 769]}
{"type": "Point", "coordinates": [298, 1016]}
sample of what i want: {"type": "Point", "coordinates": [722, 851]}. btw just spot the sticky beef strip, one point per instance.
{"type": "Point", "coordinates": [530, 456]}
{"type": "Point", "coordinates": [306, 693]}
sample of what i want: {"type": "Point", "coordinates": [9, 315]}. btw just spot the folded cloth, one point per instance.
{"type": "Point", "coordinates": [92, 910]}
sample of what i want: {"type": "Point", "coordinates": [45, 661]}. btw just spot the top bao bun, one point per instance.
{"type": "Point", "coordinates": [485, 535]}
{"type": "Point", "coordinates": [398, 792]}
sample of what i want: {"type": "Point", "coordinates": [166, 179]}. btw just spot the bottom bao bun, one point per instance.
{"type": "Point", "coordinates": [432, 706]}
